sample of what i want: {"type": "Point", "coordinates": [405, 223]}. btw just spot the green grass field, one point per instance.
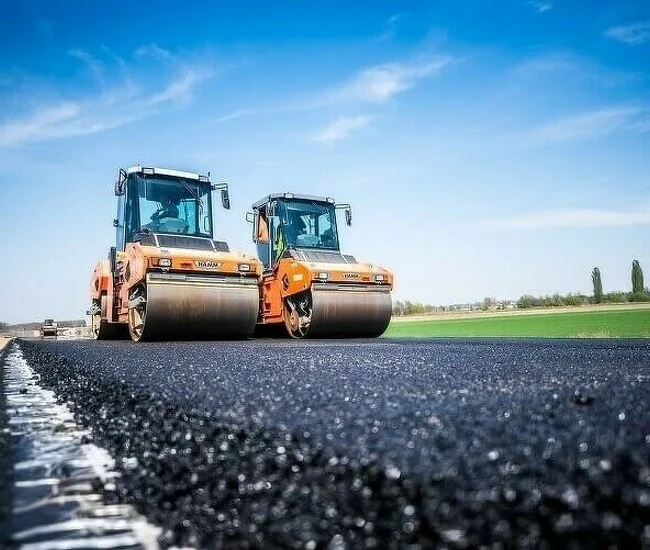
{"type": "Point", "coordinates": [629, 323]}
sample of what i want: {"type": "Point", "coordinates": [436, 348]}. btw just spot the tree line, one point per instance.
{"type": "Point", "coordinates": [411, 308]}
{"type": "Point", "coordinates": [637, 293]}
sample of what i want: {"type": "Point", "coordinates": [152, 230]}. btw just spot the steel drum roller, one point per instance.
{"type": "Point", "coordinates": [349, 313]}
{"type": "Point", "coordinates": [197, 309]}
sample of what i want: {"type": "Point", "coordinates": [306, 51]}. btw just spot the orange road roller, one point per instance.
{"type": "Point", "coordinates": [166, 277]}
{"type": "Point", "coordinates": [307, 283]}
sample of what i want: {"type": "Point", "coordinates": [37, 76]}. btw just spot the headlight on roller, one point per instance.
{"type": "Point", "coordinates": [323, 276]}
{"type": "Point", "coordinates": [380, 278]}
{"type": "Point", "coordinates": [244, 267]}
{"type": "Point", "coordinates": [164, 262]}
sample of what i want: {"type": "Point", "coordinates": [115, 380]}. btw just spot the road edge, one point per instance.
{"type": "Point", "coordinates": [5, 450]}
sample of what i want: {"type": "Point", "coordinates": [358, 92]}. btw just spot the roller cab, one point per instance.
{"type": "Point", "coordinates": [166, 277]}
{"type": "Point", "coordinates": [307, 284]}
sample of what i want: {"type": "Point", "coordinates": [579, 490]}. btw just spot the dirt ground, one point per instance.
{"type": "Point", "coordinates": [3, 342]}
{"type": "Point", "coordinates": [530, 311]}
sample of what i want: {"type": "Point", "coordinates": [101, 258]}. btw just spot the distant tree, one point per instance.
{"type": "Point", "coordinates": [3, 326]}
{"type": "Point", "coordinates": [637, 278]}
{"type": "Point", "coordinates": [527, 301]}
{"type": "Point", "coordinates": [598, 285]}
{"type": "Point", "coordinates": [487, 303]}
{"type": "Point", "coordinates": [615, 297]}
{"type": "Point", "coordinates": [575, 299]}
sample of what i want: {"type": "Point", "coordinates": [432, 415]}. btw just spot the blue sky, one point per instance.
{"type": "Point", "coordinates": [489, 149]}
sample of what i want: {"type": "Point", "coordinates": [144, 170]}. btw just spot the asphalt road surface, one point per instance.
{"type": "Point", "coordinates": [370, 444]}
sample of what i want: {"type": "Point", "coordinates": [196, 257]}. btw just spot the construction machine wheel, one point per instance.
{"type": "Point", "coordinates": [100, 329]}
{"type": "Point", "coordinates": [336, 313]}
{"type": "Point", "coordinates": [98, 310]}
{"type": "Point", "coordinates": [296, 314]}
{"type": "Point", "coordinates": [137, 312]}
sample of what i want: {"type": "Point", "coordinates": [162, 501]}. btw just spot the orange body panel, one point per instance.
{"type": "Point", "coordinates": [138, 260]}
{"type": "Point", "coordinates": [101, 279]}
{"type": "Point", "coordinates": [133, 264]}
{"type": "Point", "coordinates": [292, 276]}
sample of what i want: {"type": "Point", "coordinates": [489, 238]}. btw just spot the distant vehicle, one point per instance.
{"type": "Point", "coordinates": [49, 328]}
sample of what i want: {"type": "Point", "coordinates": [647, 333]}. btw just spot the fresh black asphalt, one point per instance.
{"type": "Point", "coordinates": [370, 444]}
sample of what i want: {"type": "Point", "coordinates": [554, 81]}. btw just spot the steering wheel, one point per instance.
{"type": "Point", "coordinates": [173, 225]}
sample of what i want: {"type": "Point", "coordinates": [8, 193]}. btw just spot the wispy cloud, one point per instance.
{"type": "Point", "coordinates": [541, 6]}
{"type": "Point", "coordinates": [589, 125]}
{"type": "Point", "coordinates": [391, 26]}
{"type": "Point", "coordinates": [395, 18]}
{"type": "Point", "coordinates": [570, 218]}
{"type": "Point", "coordinates": [380, 83]}
{"type": "Point", "coordinates": [154, 51]}
{"type": "Point", "coordinates": [634, 34]}
{"type": "Point", "coordinates": [94, 65]}
{"type": "Point", "coordinates": [239, 113]}
{"type": "Point", "coordinates": [181, 89]}
{"type": "Point", "coordinates": [116, 104]}
{"type": "Point", "coordinates": [341, 128]}
{"type": "Point", "coordinates": [376, 84]}
{"type": "Point", "coordinates": [566, 66]}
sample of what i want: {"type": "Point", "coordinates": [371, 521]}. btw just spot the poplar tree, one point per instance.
{"type": "Point", "coordinates": [598, 285]}
{"type": "Point", "coordinates": [637, 278]}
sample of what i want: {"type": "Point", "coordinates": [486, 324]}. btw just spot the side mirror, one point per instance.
{"type": "Point", "coordinates": [120, 184]}
{"type": "Point", "coordinates": [225, 199]}
{"type": "Point", "coordinates": [348, 212]}
{"type": "Point", "coordinates": [250, 217]}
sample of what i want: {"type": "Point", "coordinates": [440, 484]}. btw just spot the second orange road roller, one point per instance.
{"type": "Point", "coordinates": [166, 277]}
{"type": "Point", "coordinates": [308, 285]}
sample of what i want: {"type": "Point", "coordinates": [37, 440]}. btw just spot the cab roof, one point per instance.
{"type": "Point", "coordinates": [291, 196]}
{"type": "Point", "coordinates": [168, 172]}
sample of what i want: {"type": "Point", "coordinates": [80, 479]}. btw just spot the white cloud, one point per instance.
{"type": "Point", "coordinates": [154, 51]}
{"type": "Point", "coordinates": [571, 218]}
{"type": "Point", "coordinates": [182, 88]}
{"type": "Point", "coordinates": [239, 113]}
{"type": "Point", "coordinates": [588, 125]}
{"type": "Point", "coordinates": [38, 123]}
{"type": "Point", "coordinates": [380, 83]}
{"type": "Point", "coordinates": [395, 18]}
{"type": "Point", "coordinates": [114, 106]}
{"type": "Point", "coordinates": [634, 34]}
{"type": "Point", "coordinates": [376, 84]}
{"type": "Point", "coordinates": [94, 65]}
{"type": "Point", "coordinates": [541, 6]}
{"type": "Point", "coordinates": [341, 128]}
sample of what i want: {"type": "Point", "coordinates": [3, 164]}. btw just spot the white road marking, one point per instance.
{"type": "Point", "coordinates": [54, 504]}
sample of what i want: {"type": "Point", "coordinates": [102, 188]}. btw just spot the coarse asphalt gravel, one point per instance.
{"type": "Point", "coordinates": [370, 444]}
